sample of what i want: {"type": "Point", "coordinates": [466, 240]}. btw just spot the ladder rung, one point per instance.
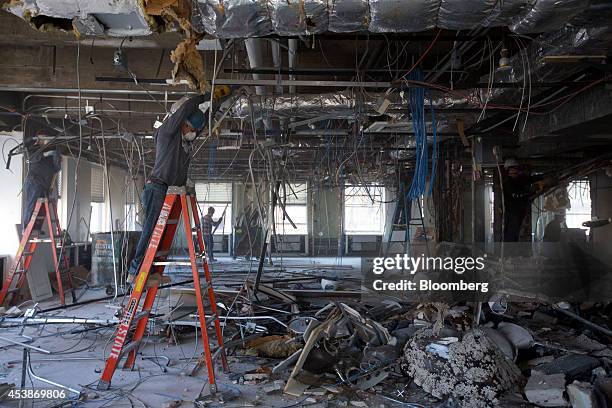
{"type": "Point", "coordinates": [13, 290]}
{"type": "Point", "coordinates": [172, 222]}
{"type": "Point", "coordinates": [211, 319]}
{"type": "Point", "coordinates": [34, 240]}
{"type": "Point", "coordinates": [138, 316]}
{"type": "Point", "coordinates": [129, 347]}
{"type": "Point", "coordinates": [217, 352]}
{"type": "Point", "coordinates": [166, 263]}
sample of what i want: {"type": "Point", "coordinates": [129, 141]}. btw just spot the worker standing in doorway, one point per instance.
{"type": "Point", "coordinates": [207, 230]}
{"type": "Point", "coordinates": [44, 164]}
{"type": "Point", "coordinates": [173, 145]}
{"type": "Point", "coordinates": [518, 189]}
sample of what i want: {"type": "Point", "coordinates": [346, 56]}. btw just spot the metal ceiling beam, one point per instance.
{"type": "Point", "coordinates": [8, 88]}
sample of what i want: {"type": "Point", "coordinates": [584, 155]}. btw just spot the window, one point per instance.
{"type": "Point", "coordinates": [218, 196]}
{"type": "Point", "coordinates": [579, 193]}
{"type": "Point", "coordinates": [98, 208]}
{"type": "Point", "coordinates": [130, 208]}
{"type": "Point", "coordinates": [296, 205]}
{"type": "Point", "coordinates": [130, 218]}
{"type": "Point", "coordinates": [364, 210]}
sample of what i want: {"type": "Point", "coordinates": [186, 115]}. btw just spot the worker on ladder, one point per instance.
{"type": "Point", "coordinates": [44, 164]}
{"type": "Point", "coordinates": [173, 145]}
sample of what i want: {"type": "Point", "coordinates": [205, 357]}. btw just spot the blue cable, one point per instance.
{"type": "Point", "coordinates": [434, 147]}
{"type": "Point", "coordinates": [417, 109]}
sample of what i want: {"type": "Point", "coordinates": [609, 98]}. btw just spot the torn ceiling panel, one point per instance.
{"type": "Point", "coordinates": [117, 18]}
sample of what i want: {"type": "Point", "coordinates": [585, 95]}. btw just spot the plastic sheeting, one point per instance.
{"type": "Point", "coordinates": [548, 15]}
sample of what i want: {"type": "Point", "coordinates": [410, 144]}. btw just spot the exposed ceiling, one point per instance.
{"type": "Point", "coordinates": [315, 77]}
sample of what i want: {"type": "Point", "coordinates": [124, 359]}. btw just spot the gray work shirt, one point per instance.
{"type": "Point", "coordinates": [172, 156]}
{"type": "Point", "coordinates": [43, 166]}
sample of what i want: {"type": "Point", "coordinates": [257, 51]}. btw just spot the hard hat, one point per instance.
{"type": "Point", "coordinates": [511, 163]}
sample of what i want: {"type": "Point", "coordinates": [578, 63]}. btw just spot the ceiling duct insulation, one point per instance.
{"type": "Point", "coordinates": [531, 64]}
{"type": "Point", "coordinates": [347, 16]}
{"type": "Point", "coordinates": [287, 17]}
{"type": "Point", "coordinates": [117, 18]}
{"type": "Point", "coordinates": [548, 15]}
{"type": "Point", "coordinates": [341, 105]}
{"type": "Point", "coordinates": [504, 11]}
{"type": "Point", "coordinates": [392, 16]}
{"type": "Point", "coordinates": [255, 18]}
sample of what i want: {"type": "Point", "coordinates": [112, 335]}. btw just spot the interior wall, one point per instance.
{"type": "Point", "coordinates": [118, 183]}
{"type": "Point", "coordinates": [11, 182]}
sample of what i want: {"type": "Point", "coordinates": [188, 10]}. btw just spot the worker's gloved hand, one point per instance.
{"type": "Point", "coordinates": [50, 153]}
{"type": "Point", "coordinates": [221, 91]}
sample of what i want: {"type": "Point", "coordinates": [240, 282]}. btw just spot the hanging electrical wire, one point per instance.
{"type": "Point", "coordinates": [417, 111]}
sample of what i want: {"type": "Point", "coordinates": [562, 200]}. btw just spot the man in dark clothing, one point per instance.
{"type": "Point", "coordinates": [552, 232]}
{"type": "Point", "coordinates": [173, 142]}
{"type": "Point", "coordinates": [207, 230]}
{"type": "Point", "coordinates": [517, 187]}
{"type": "Point", "coordinates": [44, 164]}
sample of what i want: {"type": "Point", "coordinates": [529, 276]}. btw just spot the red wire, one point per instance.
{"type": "Point", "coordinates": [433, 42]}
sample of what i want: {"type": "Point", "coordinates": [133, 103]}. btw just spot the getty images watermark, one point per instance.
{"type": "Point", "coordinates": [396, 273]}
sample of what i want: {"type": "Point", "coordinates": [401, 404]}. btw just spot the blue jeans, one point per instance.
{"type": "Point", "coordinates": [153, 197]}
{"type": "Point", "coordinates": [209, 244]}
{"type": "Point", "coordinates": [32, 191]}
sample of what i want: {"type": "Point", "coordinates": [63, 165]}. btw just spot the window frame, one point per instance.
{"type": "Point", "coordinates": [283, 226]}
{"type": "Point", "coordinates": [380, 208]}
{"type": "Point", "coordinates": [227, 227]}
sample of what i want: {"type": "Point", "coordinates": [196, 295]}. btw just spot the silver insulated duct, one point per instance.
{"type": "Point", "coordinates": [340, 105]}
{"type": "Point", "coordinates": [254, 18]}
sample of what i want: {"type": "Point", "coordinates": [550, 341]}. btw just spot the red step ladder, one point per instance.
{"type": "Point", "coordinates": [178, 203]}
{"type": "Point", "coordinates": [45, 213]}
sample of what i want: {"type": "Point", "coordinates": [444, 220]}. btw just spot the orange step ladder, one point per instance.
{"type": "Point", "coordinates": [179, 203]}
{"type": "Point", "coordinates": [45, 213]}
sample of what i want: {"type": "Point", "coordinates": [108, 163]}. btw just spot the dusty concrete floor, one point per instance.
{"type": "Point", "coordinates": [160, 377]}
{"type": "Point", "coordinates": [147, 383]}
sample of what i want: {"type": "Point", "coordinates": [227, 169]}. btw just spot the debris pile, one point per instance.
{"type": "Point", "coordinates": [352, 353]}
